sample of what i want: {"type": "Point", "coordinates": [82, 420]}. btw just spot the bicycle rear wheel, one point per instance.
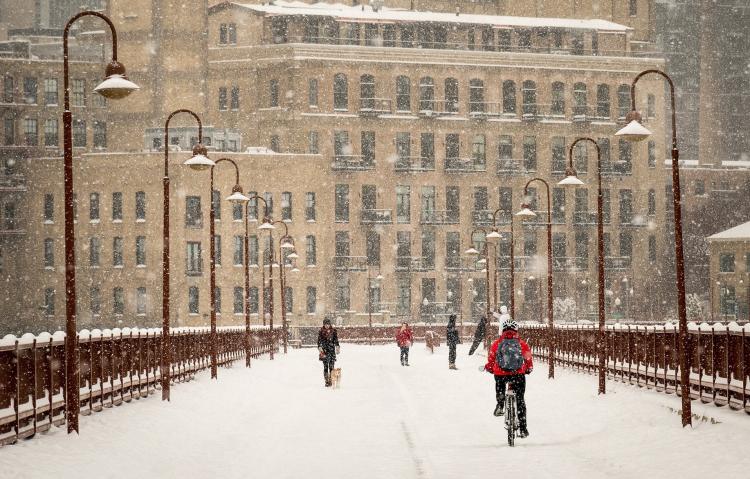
{"type": "Point", "coordinates": [511, 419]}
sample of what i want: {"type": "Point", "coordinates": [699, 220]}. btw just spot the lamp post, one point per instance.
{"type": "Point", "coordinates": [378, 278]}
{"type": "Point", "coordinates": [635, 131]}
{"type": "Point", "coordinates": [115, 86]}
{"type": "Point", "coordinates": [571, 180]}
{"type": "Point", "coordinates": [265, 225]}
{"type": "Point", "coordinates": [496, 235]}
{"type": "Point", "coordinates": [485, 252]}
{"type": "Point", "coordinates": [527, 213]}
{"type": "Point", "coordinates": [198, 160]}
{"type": "Point", "coordinates": [285, 243]}
{"type": "Point", "coordinates": [236, 197]}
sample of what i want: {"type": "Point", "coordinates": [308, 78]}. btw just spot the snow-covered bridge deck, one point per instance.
{"type": "Point", "coordinates": [387, 421]}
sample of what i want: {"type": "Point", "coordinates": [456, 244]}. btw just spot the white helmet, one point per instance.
{"type": "Point", "coordinates": [510, 324]}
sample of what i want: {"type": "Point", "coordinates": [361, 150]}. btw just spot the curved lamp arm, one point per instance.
{"type": "Point", "coordinates": [671, 96]}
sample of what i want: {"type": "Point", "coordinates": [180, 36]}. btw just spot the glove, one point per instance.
{"type": "Point", "coordinates": [528, 371]}
{"type": "Point", "coordinates": [338, 350]}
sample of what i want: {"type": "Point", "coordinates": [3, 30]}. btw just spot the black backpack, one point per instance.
{"type": "Point", "coordinates": [509, 356]}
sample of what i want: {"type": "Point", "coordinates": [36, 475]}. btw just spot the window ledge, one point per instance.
{"type": "Point", "coordinates": [140, 220]}
{"type": "Point", "coordinates": [48, 222]}
{"type": "Point", "coordinates": [94, 222]}
{"type": "Point", "coordinates": [118, 266]}
{"type": "Point", "coordinates": [140, 266]}
{"type": "Point", "coordinates": [49, 268]}
{"type": "Point", "coordinates": [116, 221]}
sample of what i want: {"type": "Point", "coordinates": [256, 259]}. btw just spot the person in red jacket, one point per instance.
{"type": "Point", "coordinates": [404, 338]}
{"type": "Point", "coordinates": [510, 360]}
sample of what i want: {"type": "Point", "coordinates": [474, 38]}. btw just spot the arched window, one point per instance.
{"type": "Point", "coordinates": [367, 92]}
{"type": "Point", "coordinates": [602, 100]}
{"type": "Point", "coordinates": [529, 98]}
{"type": "Point", "coordinates": [509, 96]}
{"type": "Point", "coordinates": [426, 94]}
{"type": "Point", "coordinates": [623, 100]}
{"type": "Point", "coordinates": [403, 94]}
{"type": "Point", "coordinates": [580, 106]}
{"type": "Point", "coordinates": [558, 99]}
{"type": "Point", "coordinates": [451, 95]}
{"type": "Point", "coordinates": [476, 96]}
{"type": "Point", "coordinates": [340, 92]}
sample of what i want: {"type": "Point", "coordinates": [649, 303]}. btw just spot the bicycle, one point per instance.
{"type": "Point", "coordinates": [511, 414]}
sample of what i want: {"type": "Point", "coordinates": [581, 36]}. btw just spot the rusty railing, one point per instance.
{"type": "Point", "coordinates": [115, 367]}
{"type": "Point", "coordinates": [648, 356]}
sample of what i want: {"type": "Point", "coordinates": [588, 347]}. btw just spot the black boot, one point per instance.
{"type": "Point", "coordinates": [523, 431]}
{"type": "Point", "coordinates": [499, 409]}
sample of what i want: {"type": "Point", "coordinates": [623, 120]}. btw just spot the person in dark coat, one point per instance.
{"type": "Point", "coordinates": [328, 348]}
{"type": "Point", "coordinates": [452, 338]}
{"type": "Point", "coordinates": [478, 335]}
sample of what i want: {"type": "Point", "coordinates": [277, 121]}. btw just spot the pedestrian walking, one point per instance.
{"type": "Point", "coordinates": [453, 338]}
{"type": "Point", "coordinates": [404, 338]}
{"type": "Point", "coordinates": [478, 335]}
{"type": "Point", "coordinates": [328, 348]}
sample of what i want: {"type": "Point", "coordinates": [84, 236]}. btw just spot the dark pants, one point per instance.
{"type": "Point", "coordinates": [451, 353]}
{"type": "Point", "coordinates": [404, 355]}
{"type": "Point", "coordinates": [518, 383]}
{"type": "Point", "coordinates": [328, 363]}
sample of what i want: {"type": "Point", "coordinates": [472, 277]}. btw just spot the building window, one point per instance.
{"type": "Point", "coordinates": [403, 204]}
{"type": "Point", "coordinates": [50, 91]}
{"type": "Point", "coordinates": [478, 151]}
{"type": "Point", "coordinates": [268, 196]}
{"type": "Point", "coordinates": [193, 300]}
{"type": "Point", "coordinates": [30, 90]}
{"type": "Point", "coordinates": [238, 300]}
{"type": "Point", "coordinates": [313, 143]}
{"type": "Point", "coordinates": [476, 96]}
{"type": "Point", "coordinates": [49, 208]}
{"type": "Point", "coordinates": [626, 206]}
{"type": "Point", "coordinates": [193, 214]}
{"type": "Point", "coordinates": [342, 294]}
{"type": "Point", "coordinates": [275, 144]}
{"type": "Point", "coordinates": [228, 34]}
{"type": "Point", "coordinates": [558, 99]}
{"type": "Point", "coordinates": [140, 251]}
{"type": "Point", "coordinates": [118, 301]}
{"type": "Point", "coordinates": [222, 98]}
{"type": "Point", "coordinates": [602, 101]}
{"type": "Point", "coordinates": [623, 101]}
{"type": "Point", "coordinates": [312, 92]}
{"type": "Point", "coordinates": [342, 203]}
{"type": "Point", "coordinates": [651, 202]}
{"type": "Point", "coordinates": [9, 131]}
{"type": "Point", "coordinates": [403, 302]}
{"type": "Point", "coordinates": [252, 303]}
{"type": "Point", "coordinates": [194, 260]}
{"type": "Point", "coordinates": [652, 154]}
{"type": "Point", "coordinates": [117, 206]}
{"type": "Point", "coordinates": [140, 205]}
{"type": "Point", "coordinates": [580, 100]}
{"type": "Point", "coordinates": [117, 261]}
{"type": "Point", "coordinates": [217, 300]}
{"type": "Point", "coordinates": [140, 301]}
{"type": "Point", "coordinates": [407, 36]}
{"type": "Point", "coordinates": [700, 188]}
{"type": "Point", "coordinates": [652, 249]}
{"type": "Point", "coordinates": [528, 97]}
{"type": "Point", "coordinates": [340, 92]}
{"type": "Point", "coordinates": [273, 93]}
{"type": "Point", "coordinates": [234, 104]}
{"type": "Point", "coordinates": [558, 154]}
{"type": "Point", "coordinates": [633, 8]}
{"type": "Point", "coordinates": [726, 263]}
{"type": "Point", "coordinates": [529, 153]}
{"type": "Point", "coordinates": [9, 89]}
{"type": "Point", "coordinates": [100, 134]}
{"type": "Point", "coordinates": [239, 250]}
{"type": "Point", "coordinates": [31, 135]}
{"type": "Point", "coordinates": [310, 206]}
{"type": "Point", "coordinates": [79, 92]}
{"type": "Point", "coordinates": [79, 133]}
{"type": "Point", "coordinates": [625, 165]}
{"type": "Point", "coordinates": [451, 95]}
{"type": "Point", "coordinates": [426, 94]}
{"type": "Point", "coordinates": [403, 94]}
{"type": "Point", "coordinates": [49, 302]}
{"type": "Point", "coordinates": [95, 301]}
{"type": "Point", "coordinates": [311, 301]}
{"type": "Point", "coordinates": [217, 250]}
{"type": "Point", "coordinates": [50, 132]}
{"type": "Point", "coordinates": [288, 299]}
{"type": "Point", "coordinates": [252, 250]}
{"type": "Point", "coordinates": [286, 206]}
{"type": "Point", "coordinates": [367, 92]}
{"type": "Point", "coordinates": [49, 253]}
{"type": "Point", "coordinates": [94, 207]}
{"type": "Point", "coordinates": [372, 248]}
{"type": "Point", "coordinates": [310, 250]}
{"type": "Point", "coordinates": [509, 97]}
{"type": "Point", "coordinates": [650, 106]}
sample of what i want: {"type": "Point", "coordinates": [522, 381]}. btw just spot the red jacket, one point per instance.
{"type": "Point", "coordinates": [492, 367]}
{"type": "Point", "coordinates": [404, 338]}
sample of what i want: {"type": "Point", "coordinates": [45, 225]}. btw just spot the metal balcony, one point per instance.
{"type": "Point", "coordinates": [11, 227]}
{"type": "Point", "coordinates": [376, 217]}
{"type": "Point", "coordinates": [13, 183]}
{"type": "Point", "coordinates": [512, 167]}
{"type": "Point", "coordinates": [465, 165]}
{"type": "Point", "coordinates": [369, 107]}
{"type": "Point", "coordinates": [351, 163]}
{"type": "Point", "coordinates": [414, 264]}
{"type": "Point", "coordinates": [350, 263]}
{"type": "Point", "coordinates": [414, 164]}
{"type": "Point", "coordinates": [617, 262]}
{"type": "Point", "coordinates": [434, 217]}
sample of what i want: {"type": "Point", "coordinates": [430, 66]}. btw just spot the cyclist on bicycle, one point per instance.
{"type": "Point", "coordinates": [510, 360]}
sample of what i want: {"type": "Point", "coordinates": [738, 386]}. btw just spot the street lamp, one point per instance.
{"type": "Point", "coordinates": [525, 214]}
{"type": "Point", "coordinates": [285, 243]}
{"type": "Point", "coordinates": [496, 235]}
{"type": "Point", "coordinates": [115, 86]}
{"type": "Point", "coordinates": [486, 271]}
{"type": "Point", "coordinates": [199, 158]}
{"type": "Point", "coordinates": [377, 278]}
{"type": "Point", "coordinates": [635, 131]}
{"type": "Point", "coordinates": [236, 197]}
{"type": "Point", "coordinates": [265, 225]}
{"type": "Point", "coordinates": [571, 180]}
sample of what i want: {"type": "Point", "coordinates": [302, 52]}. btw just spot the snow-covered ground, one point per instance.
{"type": "Point", "coordinates": [277, 420]}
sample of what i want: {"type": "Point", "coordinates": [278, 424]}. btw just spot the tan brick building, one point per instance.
{"type": "Point", "coordinates": [394, 137]}
{"type": "Point", "coordinates": [730, 273]}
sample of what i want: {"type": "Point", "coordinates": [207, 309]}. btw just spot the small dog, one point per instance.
{"type": "Point", "coordinates": [336, 377]}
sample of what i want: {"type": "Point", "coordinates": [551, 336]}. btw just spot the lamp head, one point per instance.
{"type": "Point", "coordinates": [237, 196]}
{"type": "Point", "coordinates": [292, 255]}
{"type": "Point", "coordinates": [471, 250]}
{"type": "Point", "coordinates": [200, 160]}
{"type": "Point", "coordinates": [287, 243]}
{"type": "Point", "coordinates": [571, 179]}
{"type": "Point", "coordinates": [116, 84]}
{"type": "Point", "coordinates": [634, 130]}
{"type": "Point", "coordinates": [266, 225]}
{"type": "Point", "coordinates": [525, 212]}
{"type": "Point", "coordinates": [493, 235]}
{"type": "Point", "coordinates": [379, 277]}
